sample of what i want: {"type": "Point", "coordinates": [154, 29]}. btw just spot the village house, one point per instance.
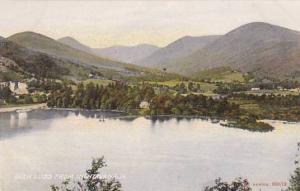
{"type": "Point", "coordinates": [255, 89]}
{"type": "Point", "coordinates": [144, 105]}
{"type": "Point", "coordinates": [218, 97]}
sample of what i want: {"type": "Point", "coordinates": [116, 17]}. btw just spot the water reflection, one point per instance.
{"type": "Point", "coordinates": [18, 120]}
{"type": "Point", "coordinates": [162, 119]}
{"type": "Point", "coordinates": [173, 154]}
{"type": "Point", "coordinates": [14, 123]}
{"type": "Point", "coordinates": [22, 119]}
{"type": "Point", "coordinates": [13, 120]}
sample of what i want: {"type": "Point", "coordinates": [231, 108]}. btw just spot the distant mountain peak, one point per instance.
{"type": "Point", "coordinates": [72, 42]}
{"type": "Point", "coordinates": [131, 46]}
{"type": "Point", "coordinates": [187, 37]}
{"type": "Point", "coordinates": [179, 48]}
{"type": "Point", "coordinates": [145, 45]}
{"type": "Point", "coordinates": [29, 34]}
{"type": "Point", "coordinates": [263, 48]}
{"type": "Point", "coordinates": [68, 38]}
{"type": "Point", "coordinates": [261, 28]}
{"type": "Point", "coordinates": [44, 44]}
{"type": "Point", "coordinates": [128, 54]}
{"type": "Point", "coordinates": [258, 24]}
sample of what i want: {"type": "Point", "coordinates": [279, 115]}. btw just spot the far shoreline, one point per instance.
{"type": "Point", "coordinates": [129, 115]}
{"type": "Point", "coordinates": [23, 107]}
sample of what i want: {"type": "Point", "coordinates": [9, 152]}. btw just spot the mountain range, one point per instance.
{"type": "Point", "coordinates": [44, 44]}
{"type": "Point", "coordinates": [128, 54]}
{"type": "Point", "coordinates": [43, 56]}
{"type": "Point", "coordinates": [177, 49]}
{"type": "Point", "coordinates": [258, 48]}
{"type": "Point", "coordinates": [262, 49]}
{"type": "Point", "coordinates": [19, 61]}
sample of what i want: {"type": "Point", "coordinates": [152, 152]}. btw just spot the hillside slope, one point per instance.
{"type": "Point", "coordinates": [23, 61]}
{"type": "Point", "coordinates": [264, 49]}
{"type": "Point", "coordinates": [128, 54]}
{"type": "Point", "coordinates": [43, 60]}
{"type": "Point", "coordinates": [177, 49]}
{"type": "Point", "coordinates": [41, 43]}
{"type": "Point", "coordinates": [75, 44]}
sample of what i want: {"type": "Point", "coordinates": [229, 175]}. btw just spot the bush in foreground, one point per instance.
{"type": "Point", "coordinates": [238, 184]}
{"type": "Point", "coordinates": [92, 181]}
{"type": "Point", "coordinates": [295, 177]}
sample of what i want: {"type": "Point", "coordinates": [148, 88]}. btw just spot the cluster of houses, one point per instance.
{"type": "Point", "coordinates": [16, 87]}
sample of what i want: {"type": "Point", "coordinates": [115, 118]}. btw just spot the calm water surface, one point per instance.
{"type": "Point", "coordinates": [40, 147]}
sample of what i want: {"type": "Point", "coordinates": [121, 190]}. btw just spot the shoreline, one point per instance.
{"type": "Point", "coordinates": [261, 125]}
{"type": "Point", "coordinates": [26, 107]}
{"type": "Point", "coordinates": [126, 114]}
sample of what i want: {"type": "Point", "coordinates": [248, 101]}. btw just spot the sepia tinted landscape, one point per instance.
{"type": "Point", "coordinates": [149, 95]}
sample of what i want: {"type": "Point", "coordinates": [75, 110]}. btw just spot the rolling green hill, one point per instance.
{"type": "Point", "coordinates": [78, 62]}
{"type": "Point", "coordinates": [41, 43]}
{"type": "Point", "coordinates": [25, 62]}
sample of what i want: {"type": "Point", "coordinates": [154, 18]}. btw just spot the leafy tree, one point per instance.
{"type": "Point", "coordinates": [127, 98]}
{"type": "Point", "coordinates": [295, 178]}
{"type": "Point", "coordinates": [5, 92]}
{"type": "Point", "coordinates": [28, 99]}
{"type": "Point", "coordinates": [238, 184]}
{"type": "Point", "coordinates": [12, 99]}
{"type": "Point", "coordinates": [92, 181]}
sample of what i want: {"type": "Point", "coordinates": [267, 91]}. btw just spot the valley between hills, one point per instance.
{"type": "Point", "coordinates": [246, 75]}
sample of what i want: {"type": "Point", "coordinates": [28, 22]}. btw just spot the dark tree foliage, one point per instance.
{"type": "Point", "coordinates": [92, 181]}
{"type": "Point", "coordinates": [238, 184]}
{"type": "Point", "coordinates": [114, 97]}
{"type": "Point", "coordinates": [278, 100]}
{"type": "Point", "coordinates": [44, 85]}
{"type": "Point", "coordinates": [229, 88]}
{"type": "Point", "coordinates": [5, 92]}
{"type": "Point", "coordinates": [295, 178]}
{"type": "Point", "coordinates": [127, 98]}
{"type": "Point", "coordinates": [39, 64]}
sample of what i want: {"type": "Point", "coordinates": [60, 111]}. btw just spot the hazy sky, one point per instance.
{"type": "Point", "coordinates": [103, 23]}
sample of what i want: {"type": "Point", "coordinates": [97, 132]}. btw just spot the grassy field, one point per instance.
{"type": "Point", "coordinates": [207, 88]}
{"type": "Point", "coordinates": [221, 74]}
{"type": "Point", "coordinates": [275, 92]}
{"type": "Point", "coordinates": [98, 82]}
{"type": "Point", "coordinates": [248, 105]}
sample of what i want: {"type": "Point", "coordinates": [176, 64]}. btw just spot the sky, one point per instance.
{"type": "Point", "coordinates": [106, 23]}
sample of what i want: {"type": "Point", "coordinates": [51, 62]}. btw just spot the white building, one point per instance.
{"type": "Point", "coordinates": [16, 87]}
{"type": "Point", "coordinates": [144, 105]}
{"type": "Point", "coordinates": [255, 89]}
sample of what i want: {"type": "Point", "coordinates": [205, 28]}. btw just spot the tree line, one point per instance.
{"type": "Point", "coordinates": [118, 96]}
